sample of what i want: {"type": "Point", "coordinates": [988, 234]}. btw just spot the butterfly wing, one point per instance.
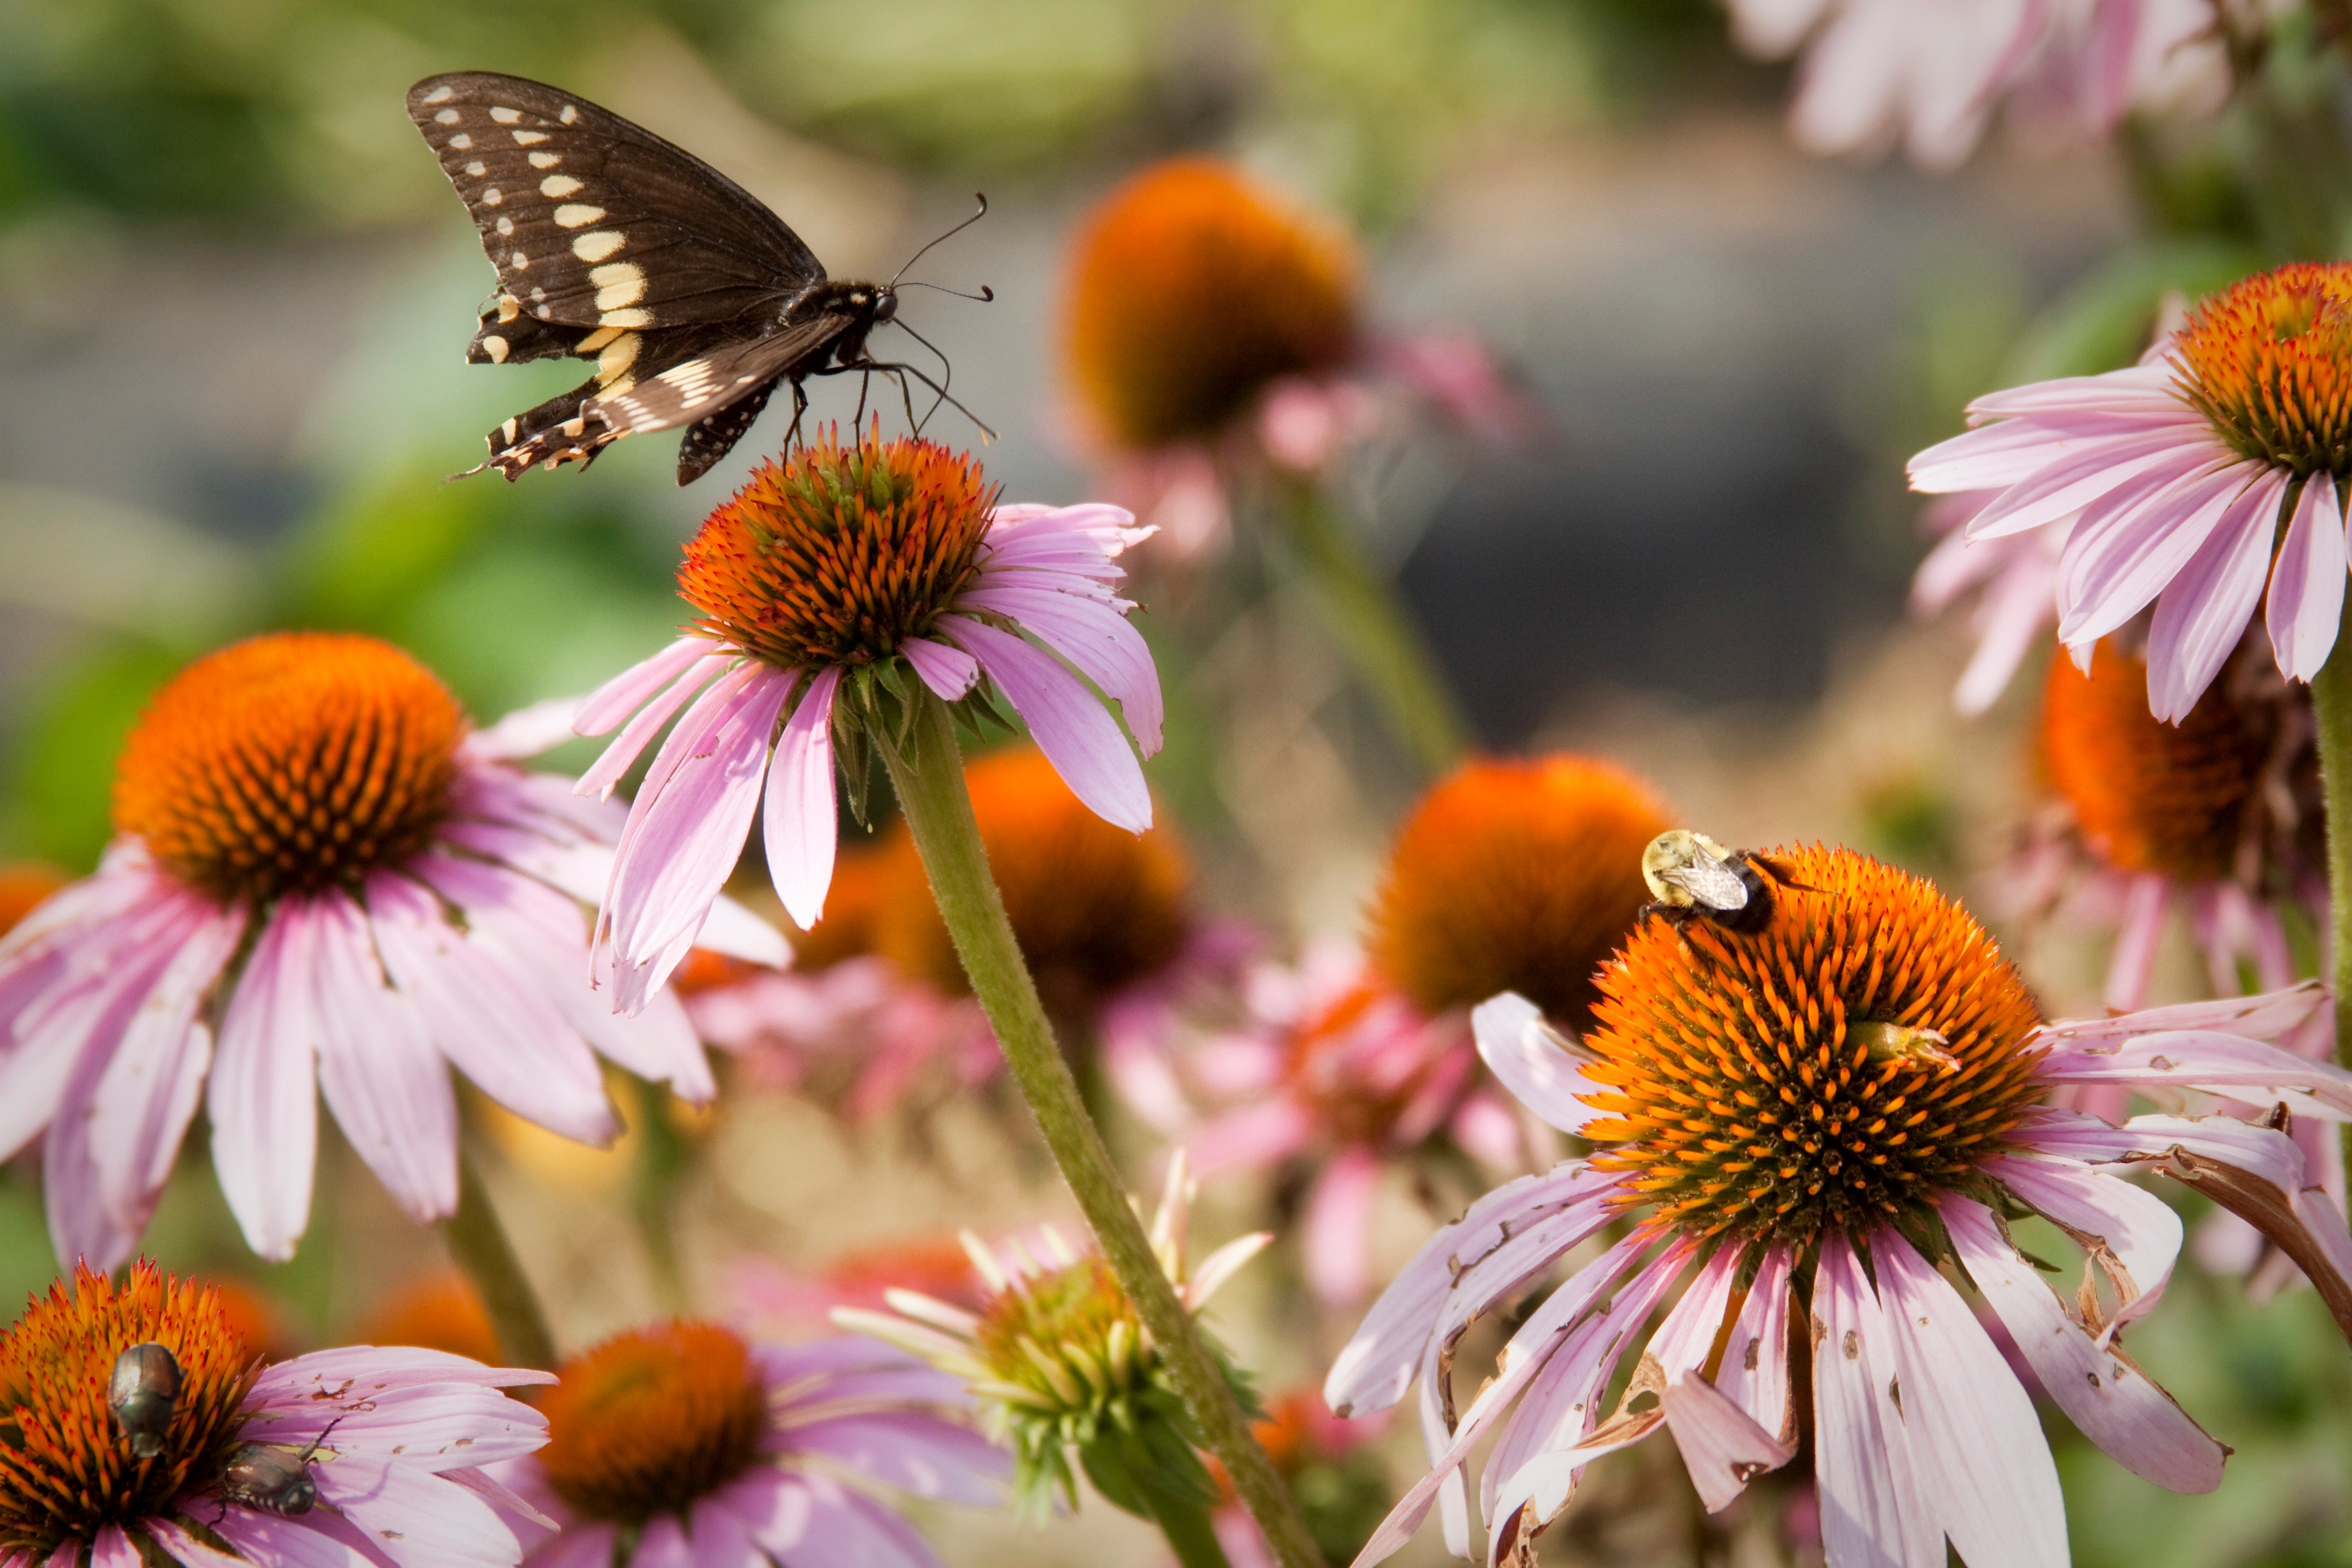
{"type": "Point", "coordinates": [593, 222]}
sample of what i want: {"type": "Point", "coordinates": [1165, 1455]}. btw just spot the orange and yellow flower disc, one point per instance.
{"type": "Point", "coordinates": [652, 1419]}
{"type": "Point", "coordinates": [2269, 362]}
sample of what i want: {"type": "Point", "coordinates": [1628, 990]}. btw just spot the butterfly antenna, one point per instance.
{"type": "Point", "coordinates": [985, 296]}
{"type": "Point", "coordinates": [981, 197]}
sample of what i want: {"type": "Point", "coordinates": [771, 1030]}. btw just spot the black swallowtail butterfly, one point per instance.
{"type": "Point", "coordinates": [612, 245]}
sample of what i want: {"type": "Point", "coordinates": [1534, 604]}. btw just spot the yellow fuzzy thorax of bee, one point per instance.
{"type": "Point", "coordinates": [1863, 1051]}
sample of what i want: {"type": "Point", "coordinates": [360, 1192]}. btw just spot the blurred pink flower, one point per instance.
{"type": "Point", "coordinates": [1931, 73]}
{"type": "Point", "coordinates": [310, 835]}
{"type": "Point", "coordinates": [2019, 578]}
{"type": "Point", "coordinates": [2171, 481]}
{"type": "Point", "coordinates": [803, 579]}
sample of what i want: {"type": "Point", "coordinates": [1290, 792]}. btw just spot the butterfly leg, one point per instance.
{"type": "Point", "coordinates": [889, 367]}
{"type": "Point", "coordinates": [800, 407]}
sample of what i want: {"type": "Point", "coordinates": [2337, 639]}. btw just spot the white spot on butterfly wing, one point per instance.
{"type": "Point", "coordinates": [441, 94]}
{"type": "Point", "coordinates": [507, 116]}
{"type": "Point", "coordinates": [544, 160]}
{"type": "Point", "coordinates": [446, 117]}
{"type": "Point", "coordinates": [477, 169]}
{"type": "Point", "coordinates": [528, 138]}
{"type": "Point", "coordinates": [593, 247]}
{"type": "Point", "coordinates": [495, 348]}
{"type": "Point", "coordinates": [462, 141]}
{"type": "Point", "coordinates": [570, 112]}
{"type": "Point", "coordinates": [509, 308]}
{"type": "Point", "coordinates": [574, 216]}
{"type": "Point", "coordinates": [633, 317]}
{"type": "Point", "coordinates": [619, 284]}
{"type": "Point", "coordinates": [558, 186]}
{"type": "Point", "coordinates": [505, 227]}
{"type": "Point", "coordinates": [521, 261]}
{"type": "Point", "coordinates": [493, 196]}
{"type": "Point", "coordinates": [597, 339]}
{"type": "Point", "coordinates": [617, 357]}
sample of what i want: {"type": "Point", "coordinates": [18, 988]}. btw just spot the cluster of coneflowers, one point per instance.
{"type": "Point", "coordinates": [1774, 1112]}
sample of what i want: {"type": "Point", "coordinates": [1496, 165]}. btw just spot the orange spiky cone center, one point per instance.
{"type": "Point", "coordinates": [1748, 1089]}
{"type": "Point", "coordinates": [652, 1419]}
{"type": "Point", "coordinates": [2149, 796]}
{"type": "Point", "coordinates": [66, 1468]}
{"type": "Point", "coordinates": [290, 763]}
{"type": "Point", "coordinates": [840, 554]}
{"type": "Point", "coordinates": [1094, 907]}
{"type": "Point", "coordinates": [1191, 289]}
{"type": "Point", "coordinates": [1515, 876]}
{"type": "Point", "coordinates": [2269, 362]}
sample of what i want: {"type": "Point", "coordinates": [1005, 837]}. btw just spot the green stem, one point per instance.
{"type": "Point", "coordinates": [478, 1244]}
{"type": "Point", "coordinates": [2331, 706]}
{"type": "Point", "coordinates": [662, 1154]}
{"type": "Point", "coordinates": [1191, 1535]}
{"type": "Point", "coordinates": [1376, 633]}
{"type": "Point", "coordinates": [928, 775]}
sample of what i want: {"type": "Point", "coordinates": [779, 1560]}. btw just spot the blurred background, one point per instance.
{"type": "Point", "coordinates": [235, 295]}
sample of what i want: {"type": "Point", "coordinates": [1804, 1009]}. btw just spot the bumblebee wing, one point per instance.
{"type": "Point", "coordinates": [1712, 885]}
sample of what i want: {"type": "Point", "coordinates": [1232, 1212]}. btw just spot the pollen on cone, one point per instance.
{"type": "Point", "coordinates": [1760, 1084]}
{"type": "Point", "coordinates": [2149, 796]}
{"type": "Point", "coordinates": [1515, 876]}
{"type": "Point", "coordinates": [1189, 290]}
{"type": "Point", "coordinates": [2269, 362]}
{"type": "Point", "coordinates": [1094, 907]}
{"type": "Point", "coordinates": [290, 763]}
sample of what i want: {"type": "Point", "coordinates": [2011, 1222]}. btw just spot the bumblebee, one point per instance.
{"type": "Point", "coordinates": [1692, 875]}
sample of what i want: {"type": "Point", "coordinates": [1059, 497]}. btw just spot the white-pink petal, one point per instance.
{"type": "Point", "coordinates": [2204, 612]}
{"type": "Point", "coordinates": [799, 816]}
{"type": "Point", "coordinates": [388, 1087]}
{"type": "Point", "coordinates": [1071, 727]}
{"type": "Point", "coordinates": [2306, 593]}
{"type": "Point", "coordinates": [1533, 1060]}
{"type": "Point", "coordinates": [1874, 1512]}
{"type": "Point", "coordinates": [630, 690]}
{"type": "Point", "coordinates": [262, 1093]}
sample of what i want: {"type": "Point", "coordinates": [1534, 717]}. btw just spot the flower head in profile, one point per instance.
{"type": "Point", "coordinates": [2206, 481]}
{"type": "Point", "coordinates": [824, 590]}
{"type": "Point", "coordinates": [1207, 317]}
{"type": "Point", "coordinates": [683, 1442]}
{"type": "Point", "coordinates": [1509, 874]}
{"type": "Point", "coordinates": [1881, 71]}
{"type": "Point", "coordinates": [1836, 1115]}
{"type": "Point", "coordinates": [321, 883]}
{"type": "Point", "coordinates": [1062, 1365]}
{"type": "Point", "coordinates": [356, 1456]}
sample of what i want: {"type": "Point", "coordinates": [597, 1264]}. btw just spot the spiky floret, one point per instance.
{"type": "Point", "coordinates": [1515, 876]}
{"type": "Point", "coordinates": [841, 553]}
{"type": "Point", "coordinates": [1094, 907]}
{"type": "Point", "coordinates": [1192, 290]}
{"type": "Point", "coordinates": [2269, 362]}
{"type": "Point", "coordinates": [290, 763]}
{"type": "Point", "coordinates": [66, 1469]}
{"type": "Point", "coordinates": [1837, 1069]}
{"type": "Point", "coordinates": [2149, 796]}
{"type": "Point", "coordinates": [652, 1419]}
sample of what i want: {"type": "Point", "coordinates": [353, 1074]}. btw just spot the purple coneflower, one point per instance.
{"type": "Point", "coordinates": [1833, 1115]}
{"type": "Point", "coordinates": [321, 883]}
{"type": "Point", "coordinates": [846, 567]}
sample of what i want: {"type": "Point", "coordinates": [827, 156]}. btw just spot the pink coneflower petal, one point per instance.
{"type": "Point", "coordinates": [2090, 471]}
{"type": "Point", "coordinates": [2204, 611]}
{"type": "Point", "coordinates": [625, 693]}
{"type": "Point", "coordinates": [1525, 1055]}
{"type": "Point", "coordinates": [2109, 1399]}
{"type": "Point", "coordinates": [638, 732]}
{"type": "Point", "coordinates": [524, 733]}
{"type": "Point", "coordinates": [417, 1519]}
{"type": "Point", "coordinates": [1093, 635]}
{"type": "Point", "coordinates": [2306, 594]}
{"type": "Point", "coordinates": [2132, 1235]}
{"type": "Point", "coordinates": [1982, 1459]}
{"type": "Point", "coordinates": [1333, 1230]}
{"type": "Point", "coordinates": [949, 672]}
{"type": "Point", "coordinates": [800, 821]}
{"type": "Point", "coordinates": [262, 1096]}
{"type": "Point", "coordinates": [2146, 900]}
{"type": "Point", "coordinates": [1874, 1509]}
{"type": "Point", "coordinates": [919, 1454]}
{"type": "Point", "coordinates": [1257, 1135]}
{"type": "Point", "coordinates": [2208, 1060]}
{"type": "Point", "coordinates": [1755, 1371]}
{"type": "Point", "coordinates": [1072, 729]}
{"type": "Point", "coordinates": [388, 1087]}
{"type": "Point", "coordinates": [2115, 564]}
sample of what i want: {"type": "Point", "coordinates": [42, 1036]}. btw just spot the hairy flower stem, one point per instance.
{"type": "Point", "coordinates": [1191, 1535]}
{"type": "Point", "coordinates": [1376, 632]}
{"type": "Point", "coordinates": [663, 1155]}
{"type": "Point", "coordinates": [2331, 706]}
{"type": "Point", "coordinates": [478, 1244]}
{"type": "Point", "coordinates": [927, 770]}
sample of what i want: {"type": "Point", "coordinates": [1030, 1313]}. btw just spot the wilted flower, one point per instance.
{"type": "Point", "coordinates": [355, 1456]}
{"type": "Point", "coordinates": [823, 586]}
{"type": "Point", "coordinates": [1508, 875]}
{"type": "Point", "coordinates": [1855, 1089]}
{"type": "Point", "coordinates": [1879, 71]}
{"type": "Point", "coordinates": [2173, 479]}
{"type": "Point", "coordinates": [314, 857]}
{"type": "Point", "coordinates": [1060, 1363]}
{"type": "Point", "coordinates": [682, 1443]}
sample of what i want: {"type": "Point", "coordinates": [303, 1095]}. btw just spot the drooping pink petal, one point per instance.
{"type": "Point", "coordinates": [800, 819]}
{"type": "Point", "coordinates": [2210, 1061]}
{"type": "Point", "coordinates": [417, 1519]}
{"type": "Point", "coordinates": [1073, 730]}
{"type": "Point", "coordinates": [1253, 1136]}
{"type": "Point", "coordinates": [2307, 593]}
{"type": "Point", "coordinates": [525, 732]}
{"type": "Point", "coordinates": [2088, 471]}
{"type": "Point", "coordinates": [2133, 1235]}
{"type": "Point", "coordinates": [1090, 633]}
{"type": "Point", "coordinates": [949, 672]}
{"type": "Point", "coordinates": [270, 1542]}
{"type": "Point", "coordinates": [2101, 1391]}
{"type": "Point", "coordinates": [1755, 1370]}
{"type": "Point", "coordinates": [2204, 612]}
{"type": "Point", "coordinates": [616, 759]}
{"type": "Point", "coordinates": [1532, 1060]}
{"type": "Point", "coordinates": [2264, 1016]}
{"type": "Point", "coordinates": [2117, 561]}
{"type": "Point", "coordinates": [388, 1087]}
{"type": "Point", "coordinates": [1874, 1511]}
{"type": "Point", "coordinates": [2012, 620]}
{"type": "Point", "coordinates": [262, 1094]}
{"type": "Point", "coordinates": [1335, 1230]}
{"type": "Point", "coordinates": [1722, 1447]}
{"type": "Point", "coordinates": [1981, 1458]}
{"type": "Point", "coordinates": [630, 690]}
{"type": "Point", "coordinates": [2147, 901]}
{"type": "Point", "coordinates": [914, 1451]}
